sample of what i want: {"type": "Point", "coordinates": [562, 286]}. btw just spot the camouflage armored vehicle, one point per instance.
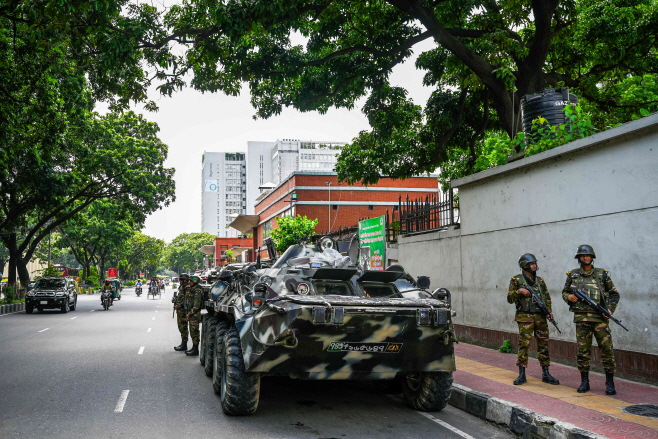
{"type": "Point", "coordinates": [316, 315]}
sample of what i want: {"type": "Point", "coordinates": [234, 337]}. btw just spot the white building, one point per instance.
{"type": "Point", "coordinates": [272, 162]}
{"type": "Point", "coordinates": [223, 196]}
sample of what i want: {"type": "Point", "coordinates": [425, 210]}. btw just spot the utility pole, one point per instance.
{"type": "Point", "coordinates": [49, 258]}
{"type": "Point", "coordinates": [328, 183]}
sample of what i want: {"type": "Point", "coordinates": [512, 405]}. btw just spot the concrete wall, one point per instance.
{"type": "Point", "coordinates": [602, 190]}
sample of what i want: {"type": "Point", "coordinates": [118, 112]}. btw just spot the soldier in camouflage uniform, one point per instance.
{"type": "Point", "coordinates": [530, 318]}
{"type": "Point", "coordinates": [180, 313]}
{"type": "Point", "coordinates": [596, 283]}
{"type": "Point", "coordinates": [193, 297]}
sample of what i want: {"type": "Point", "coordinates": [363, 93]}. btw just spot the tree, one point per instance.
{"type": "Point", "coordinates": [142, 251]}
{"type": "Point", "coordinates": [486, 55]}
{"type": "Point", "coordinates": [291, 231]}
{"type": "Point", "coordinates": [183, 254]}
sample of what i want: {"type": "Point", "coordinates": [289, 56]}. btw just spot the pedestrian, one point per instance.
{"type": "Point", "coordinates": [179, 306]}
{"type": "Point", "coordinates": [530, 318]}
{"type": "Point", "coordinates": [193, 298]}
{"type": "Point", "coordinates": [597, 284]}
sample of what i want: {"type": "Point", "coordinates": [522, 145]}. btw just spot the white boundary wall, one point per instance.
{"type": "Point", "coordinates": [601, 190]}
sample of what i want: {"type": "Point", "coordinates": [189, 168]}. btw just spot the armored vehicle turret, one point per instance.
{"type": "Point", "coordinates": [316, 315]}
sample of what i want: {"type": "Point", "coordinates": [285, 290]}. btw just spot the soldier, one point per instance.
{"type": "Point", "coordinates": [596, 283]}
{"type": "Point", "coordinates": [530, 318]}
{"type": "Point", "coordinates": [193, 299]}
{"type": "Point", "coordinates": [180, 312]}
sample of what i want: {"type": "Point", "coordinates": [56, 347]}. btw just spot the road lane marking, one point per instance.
{"type": "Point", "coordinates": [122, 401]}
{"type": "Point", "coordinates": [92, 310]}
{"type": "Point", "coordinates": [44, 329]}
{"type": "Point", "coordinates": [446, 425]}
{"type": "Point", "coordinates": [148, 330]}
{"type": "Point", "coordinates": [72, 318]}
{"type": "Point", "coordinates": [437, 420]}
{"type": "Point", "coordinates": [141, 351]}
{"type": "Point", "coordinates": [156, 310]}
{"type": "Point", "coordinates": [153, 318]}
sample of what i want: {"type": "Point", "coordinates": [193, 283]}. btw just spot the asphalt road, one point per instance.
{"type": "Point", "coordinates": [66, 376]}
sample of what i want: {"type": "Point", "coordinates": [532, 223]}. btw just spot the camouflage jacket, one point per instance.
{"type": "Point", "coordinates": [598, 285]}
{"type": "Point", "coordinates": [525, 310]}
{"type": "Point", "coordinates": [192, 296]}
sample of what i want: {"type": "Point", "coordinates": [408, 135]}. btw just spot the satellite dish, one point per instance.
{"type": "Point", "coordinates": [326, 242]}
{"type": "Point", "coordinates": [353, 251]}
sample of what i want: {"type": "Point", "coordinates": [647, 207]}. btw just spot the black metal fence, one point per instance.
{"type": "Point", "coordinates": [431, 213]}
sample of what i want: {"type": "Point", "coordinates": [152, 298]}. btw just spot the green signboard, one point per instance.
{"type": "Point", "coordinates": [372, 234]}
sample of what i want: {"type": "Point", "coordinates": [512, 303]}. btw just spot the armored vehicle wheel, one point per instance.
{"type": "Point", "coordinates": [202, 339]}
{"type": "Point", "coordinates": [240, 390]}
{"type": "Point", "coordinates": [210, 344]}
{"type": "Point", "coordinates": [220, 332]}
{"type": "Point", "coordinates": [427, 391]}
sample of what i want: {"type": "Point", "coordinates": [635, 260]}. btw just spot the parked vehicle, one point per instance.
{"type": "Point", "coordinates": [52, 293]}
{"type": "Point", "coordinates": [317, 315]}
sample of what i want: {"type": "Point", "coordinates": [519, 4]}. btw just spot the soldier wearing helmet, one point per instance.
{"type": "Point", "coordinates": [190, 302]}
{"type": "Point", "coordinates": [597, 284]}
{"type": "Point", "coordinates": [180, 312]}
{"type": "Point", "coordinates": [530, 318]}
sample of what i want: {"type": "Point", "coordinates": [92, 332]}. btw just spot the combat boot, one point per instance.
{"type": "Point", "coordinates": [584, 382]}
{"type": "Point", "coordinates": [193, 351]}
{"type": "Point", "coordinates": [182, 346]}
{"type": "Point", "coordinates": [610, 383]}
{"type": "Point", "coordinates": [547, 378]}
{"type": "Point", "coordinates": [521, 378]}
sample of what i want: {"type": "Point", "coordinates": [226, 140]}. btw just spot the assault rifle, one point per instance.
{"type": "Point", "coordinates": [542, 306]}
{"type": "Point", "coordinates": [597, 307]}
{"type": "Point", "coordinates": [173, 312]}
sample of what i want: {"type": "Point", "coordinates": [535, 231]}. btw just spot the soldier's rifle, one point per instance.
{"type": "Point", "coordinates": [173, 312]}
{"type": "Point", "coordinates": [597, 307]}
{"type": "Point", "coordinates": [542, 306]}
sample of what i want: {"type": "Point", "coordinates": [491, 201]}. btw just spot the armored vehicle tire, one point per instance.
{"type": "Point", "coordinates": [427, 391]}
{"type": "Point", "coordinates": [210, 345]}
{"type": "Point", "coordinates": [240, 390]}
{"type": "Point", "coordinates": [220, 332]}
{"type": "Point", "coordinates": [202, 337]}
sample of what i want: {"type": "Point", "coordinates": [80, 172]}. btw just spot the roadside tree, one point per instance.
{"type": "Point", "coordinates": [290, 231]}
{"type": "Point", "coordinates": [183, 254]}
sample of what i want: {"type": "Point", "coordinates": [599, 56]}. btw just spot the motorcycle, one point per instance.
{"type": "Point", "coordinates": [138, 290]}
{"type": "Point", "coordinates": [106, 299]}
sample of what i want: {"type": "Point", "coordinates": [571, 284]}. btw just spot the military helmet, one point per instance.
{"type": "Point", "coordinates": [195, 279]}
{"type": "Point", "coordinates": [184, 277]}
{"type": "Point", "coordinates": [583, 250]}
{"type": "Point", "coordinates": [527, 259]}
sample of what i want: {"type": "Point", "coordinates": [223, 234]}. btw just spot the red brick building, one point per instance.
{"type": "Point", "coordinates": [235, 244]}
{"type": "Point", "coordinates": [320, 196]}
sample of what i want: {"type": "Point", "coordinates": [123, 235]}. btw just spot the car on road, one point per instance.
{"type": "Point", "coordinates": [52, 293]}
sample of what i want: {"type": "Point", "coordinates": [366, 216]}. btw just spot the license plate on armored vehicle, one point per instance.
{"type": "Point", "coordinates": [384, 348]}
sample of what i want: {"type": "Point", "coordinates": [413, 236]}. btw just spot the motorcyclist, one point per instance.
{"type": "Point", "coordinates": [108, 287]}
{"type": "Point", "coordinates": [138, 285]}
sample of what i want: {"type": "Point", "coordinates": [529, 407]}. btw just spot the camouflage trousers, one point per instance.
{"type": "Point", "coordinates": [182, 325]}
{"type": "Point", "coordinates": [539, 328]}
{"type": "Point", "coordinates": [601, 331]}
{"type": "Point", "coordinates": [193, 325]}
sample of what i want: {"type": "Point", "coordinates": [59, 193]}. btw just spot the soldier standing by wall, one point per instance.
{"type": "Point", "coordinates": [179, 306]}
{"type": "Point", "coordinates": [530, 318]}
{"type": "Point", "coordinates": [596, 283]}
{"type": "Point", "coordinates": [194, 298]}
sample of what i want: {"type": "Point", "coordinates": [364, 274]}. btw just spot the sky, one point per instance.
{"type": "Point", "coordinates": [191, 122]}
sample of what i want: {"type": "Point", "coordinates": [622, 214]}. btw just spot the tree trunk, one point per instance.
{"type": "Point", "coordinates": [23, 273]}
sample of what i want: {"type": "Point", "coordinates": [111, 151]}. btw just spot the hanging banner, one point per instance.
{"type": "Point", "coordinates": [372, 236]}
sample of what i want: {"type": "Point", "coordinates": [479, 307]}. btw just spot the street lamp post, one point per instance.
{"type": "Point", "coordinates": [328, 183]}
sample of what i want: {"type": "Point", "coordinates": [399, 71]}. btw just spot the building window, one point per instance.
{"type": "Point", "coordinates": [371, 207]}
{"type": "Point", "coordinates": [334, 206]}
{"type": "Point", "coordinates": [267, 229]}
{"type": "Point", "coordinates": [395, 208]}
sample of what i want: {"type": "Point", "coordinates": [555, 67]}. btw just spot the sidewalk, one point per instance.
{"type": "Point", "coordinates": [491, 373]}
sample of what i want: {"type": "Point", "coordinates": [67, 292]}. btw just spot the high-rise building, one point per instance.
{"type": "Point", "coordinates": [224, 191]}
{"type": "Point", "coordinates": [273, 162]}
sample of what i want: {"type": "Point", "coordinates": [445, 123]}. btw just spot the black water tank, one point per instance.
{"type": "Point", "coordinates": [548, 104]}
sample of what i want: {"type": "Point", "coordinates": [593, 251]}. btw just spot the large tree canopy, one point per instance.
{"type": "Point", "coordinates": [183, 254]}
